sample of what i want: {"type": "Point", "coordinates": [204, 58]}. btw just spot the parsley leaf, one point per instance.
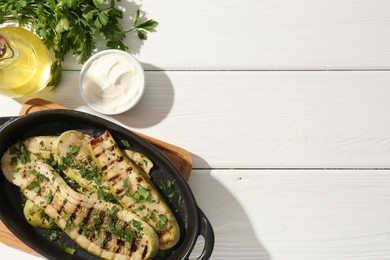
{"type": "Point", "coordinates": [54, 236]}
{"type": "Point", "coordinates": [129, 235]}
{"type": "Point", "coordinates": [34, 186]}
{"type": "Point", "coordinates": [74, 149]}
{"type": "Point", "coordinates": [141, 194]}
{"type": "Point", "coordinates": [162, 222]}
{"type": "Point", "coordinates": [68, 249]}
{"type": "Point", "coordinates": [142, 29]}
{"type": "Point", "coordinates": [126, 144]}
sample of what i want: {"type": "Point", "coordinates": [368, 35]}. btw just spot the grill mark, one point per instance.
{"type": "Point", "coordinates": [104, 167]}
{"type": "Point", "coordinates": [145, 252]}
{"type": "Point", "coordinates": [56, 202]}
{"type": "Point", "coordinates": [113, 178]}
{"type": "Point", "coordinates": [108, 239]}
{"type": "Point", "coordinates": [96, 141]}
{"type": "Point", "coordinates": [119, 191]}
{"type": "Point", "coordinates": [73, 216]}
{"type": "Point", "coordinates": [102, 216]}
{"type": "Point", "coordinates": [133, 246]}
{"type": "Point", "coordinates": [120, 243]}
{"type": "Point", "coordinates": [115, 243]}
{"type": "Point", "coordinates": [92, 236]}
{"type": "Point", "coordinates": [99, 154]}
{"type": "Point", "coordinates": [129, 169]}
{"type": "Point", "coordinates": [109, 164]}
{"type": "Point", "coordinates": [111, 148]}
{"type": "Point", "coordinates": [105, 134]}
{"type": "Point", "coordinates": [88, 216]}
{"type": "Point", "coordinates": [60, 209]}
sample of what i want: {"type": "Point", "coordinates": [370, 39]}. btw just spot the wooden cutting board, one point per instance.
{"type": "Point", "coordinates": [178, 156]}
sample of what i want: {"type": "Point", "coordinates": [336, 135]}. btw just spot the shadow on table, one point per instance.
{"type": "Point", "coordinates": [234, 234]}
{"type": "Point", "coordinates": [156, 103]}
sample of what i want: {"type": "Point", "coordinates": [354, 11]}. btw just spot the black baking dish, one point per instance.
{"type": "Point", "coordinates": [193, 223]}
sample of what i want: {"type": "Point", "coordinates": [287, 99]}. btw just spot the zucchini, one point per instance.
{"type": "Point", "coordinates": [134, 189]}
{"type": "Point", "coordinates": [102, 228]}
{"type": "Point", "coordinates": [29, 150]}
{"type": "Point", "coordinates": [36, 217]}
{"type": "Point", "coordinates": [25, 159]}
{"type": "Point", "coordinates": [32, 149]}
{"type": "Point", "coordinates": [72, 150]}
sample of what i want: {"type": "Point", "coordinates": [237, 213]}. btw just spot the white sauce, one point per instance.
{"type": "Point", "coordinates": [112, 83]}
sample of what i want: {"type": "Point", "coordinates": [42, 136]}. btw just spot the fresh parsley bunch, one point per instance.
{"type": "Point", "coordinates": [73, 26]}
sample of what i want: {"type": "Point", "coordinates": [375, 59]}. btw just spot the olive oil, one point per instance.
{"type": "Point", "coordinates": [25, 62]}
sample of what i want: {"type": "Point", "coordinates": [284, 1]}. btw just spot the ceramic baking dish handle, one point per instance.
{"type": "Point", "coordinates": [207, 232]}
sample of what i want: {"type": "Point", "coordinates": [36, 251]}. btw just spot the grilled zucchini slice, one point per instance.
{"type": "Point", "coordinates": [29, 150]}
{"type": "Point", "coordinates": [32, 149]}
{"type": "Point", "coordinates": [102, 228]}
{"type": "Point", "coordinates": [134, 189]}
{"type": "Point", "coordinates": [72, 150]}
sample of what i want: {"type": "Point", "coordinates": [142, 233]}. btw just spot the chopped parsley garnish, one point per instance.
{"type": "Point", "coordinates": [101, 240]}
{"type": "Point", "coordinates": [141, 194]}
{"type": "Point", "coordinates": [180, 202]}
{"type": "Point", "coordinates": [19, 152]}
{"type": "Point", "coordinates": [68, 225]}
{"type": "Point", "coordinates": [69, 250]}
{"type": "Point", "coordinates": [136, 224]}
{"type": "Point", "coordinates": [49, 197]}
{"type": "Point", "coordinates": [146, 163]}
{"type": "Point", "coordinates": [34, 186]}
{"type": "Point", "coordinates": [113, 213]}
{"type": "Point", "coordinates": [162, 222]}
{"type": "Point", "coordinates": [126, 186]}
{"type": "Point", "coordinates": [129, 235]}
{"type": "Point", "coordinates": [74, 149]}
{"type": "Point", "coordinates": [125, 144]}
{"type": "Point", "coordinates": [87, 168]}
{"type": "Point", "coordinates": [119, 229]}
{"type": "Point", "coordinates": [23, 154]}
{"type": "Point", "coordinates": [168, 184]}
{"type": "Point", "coordinates": [171, 195]}
{"type": "Point", "coordinates": [100, 193]}
{"type": "Point", "coordinates": [54, 236]}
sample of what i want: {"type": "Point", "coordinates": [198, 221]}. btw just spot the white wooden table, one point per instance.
{"type": "Point", "coordinates": [285, 108]}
